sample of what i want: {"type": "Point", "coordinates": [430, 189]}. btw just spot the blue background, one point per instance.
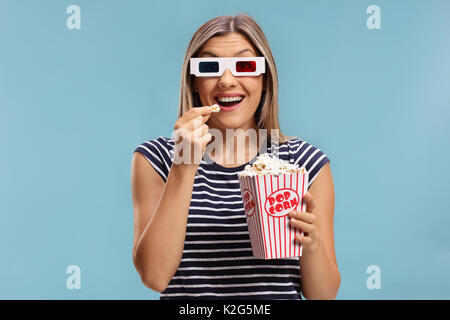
{"type": "Point", "coordinates": [75, 103]}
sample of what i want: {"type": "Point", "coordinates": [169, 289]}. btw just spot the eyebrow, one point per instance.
{"type": "Point", "coordinates": [237, 53]}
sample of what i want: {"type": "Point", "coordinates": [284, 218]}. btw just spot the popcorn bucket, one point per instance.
{"type": "Point", "coordinates": [268, 199]}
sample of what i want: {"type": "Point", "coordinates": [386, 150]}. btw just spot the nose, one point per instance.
{"type": "Point", "coordinates": [227, 79]}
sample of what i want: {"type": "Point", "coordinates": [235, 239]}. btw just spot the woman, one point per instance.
{"type": "Point", "coordinates": [190, 234]}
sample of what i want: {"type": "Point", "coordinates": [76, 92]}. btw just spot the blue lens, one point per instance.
{"type": "Point", "coordinates": [209, 66]}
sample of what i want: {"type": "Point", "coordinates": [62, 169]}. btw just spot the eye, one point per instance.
{"type": "Point", "coordinates": [246, 66]}
{"type": "Point", "coordinates": [205, 67]}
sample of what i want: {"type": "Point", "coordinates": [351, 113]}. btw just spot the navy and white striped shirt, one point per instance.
{"type": "Point", "coordinates": [217, 261]}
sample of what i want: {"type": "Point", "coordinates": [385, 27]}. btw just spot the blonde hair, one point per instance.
{"type": "Point", "coordinates": [266, 115]}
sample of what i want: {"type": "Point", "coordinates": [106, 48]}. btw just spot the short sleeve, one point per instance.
{"type": "Point", "coordinates": [158, 153]}
{"type": "Point", "coordinates": [306, 155]}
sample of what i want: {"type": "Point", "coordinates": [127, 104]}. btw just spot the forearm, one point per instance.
{"type": "Point", "coordinates": [160, 247]}
{"type": "Point", "coordinates": [320, 276]}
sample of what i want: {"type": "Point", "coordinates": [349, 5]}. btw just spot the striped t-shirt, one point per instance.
{"type": "Point", "coordinates": [217, 260]}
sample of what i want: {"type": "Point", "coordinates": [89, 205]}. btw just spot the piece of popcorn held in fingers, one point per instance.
{"type": "Point", "coordinates": [215, 108]}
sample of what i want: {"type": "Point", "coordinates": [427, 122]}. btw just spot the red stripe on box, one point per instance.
{"type": "Point", "coordinates": [303, 188]}
{"type": "Point", "coordinates": [268, 221]}
{"type": "Point", "coordinates": [279, 224]}
{"type": "Point", "coordinates": [296, 243]}
{"type": "Point", "coordinates": [262, 240]}
{"type": "Point", "coordinates": [284, 226]}
{"type": "Point", "coordinates": [273, 220]}
{"type": "Point", "coordinates": [250, 220]}
{"type": "Point", "coordinates": [261, 215]}
{"type": "Point", "coordinates": [290, 230]}
{"type": "Point", "coordinates": [259, 226]}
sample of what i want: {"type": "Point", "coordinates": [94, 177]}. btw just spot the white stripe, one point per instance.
{"type": "Point", "coordinates": [301, 156]}
{"type": "Point", "coordinates": [301, 145]}
{"type": "Point", "coordinates": [217, 241]}
{"type": "Point", "coordinates": [281, 284]}
{"type": "Point", "coordinates": [151, 162]}
{"type": "Point", "coordinates": [201, 233]}
{"type": "Point", "coordinates": [218, 250]}
{"type": "Point", "coordinates": [294, 142]}
{"type": "Point", "coordinates": [169, 141]}
{"type": "Point", "coordinates": [216, 195]}
{"type": "Point", "coordinates": [318, 161]}
{"type": "Point", "coordinates": [205, 208]}
{"type": "Point", "coordinates": [296, 267]}
{"type": "Point", "coordinates": [162, 147]}
{"type": "Point", "coordinates": [216, 225]}
{"type": "Point", "coordinates": [310, 157]}
{"type": "Point", "coordinates": [159, 151]}
{"type": "Point", "coordinates": [287, 275]}
{"type": "Point", "coordinates": [292, 151]}
{"type": "Point", "coordinates": [217, 181]}
{"type": "Point", "coordinates": [217, 189]}
{"type": "Point", "coordinates": [219, 259]}
{"type": "Point", "coordinates": [215, 217]}
{"type": "Point", "coordinates": [216, 202]}
{"type": "Point", "coordinates": [226, 294]}
{"type": "Point", "coordinates": [214, 172]}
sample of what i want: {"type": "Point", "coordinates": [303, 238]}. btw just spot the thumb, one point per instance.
{"type": "Point", "coordinates": [310, 201]}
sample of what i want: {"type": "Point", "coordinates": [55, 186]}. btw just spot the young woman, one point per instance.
{"type": "Point", "coordinates": [191, 239]}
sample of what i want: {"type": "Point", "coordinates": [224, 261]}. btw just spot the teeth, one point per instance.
{"type": "Point", "coordinates": [230, 99]}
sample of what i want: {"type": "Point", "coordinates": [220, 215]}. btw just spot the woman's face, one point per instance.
{"type": "Point", "coordinates": [210, 88]}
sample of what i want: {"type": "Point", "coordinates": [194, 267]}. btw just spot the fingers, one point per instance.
{"type": "Point", "coordinates": [192, 124]}
{"type": "Point", "coordinates": [310, 201]}
{"type": "Point", "coordinates": [304, 216]}
{"type": "Point", "coordinates": [206, 139]}
{"type": "Point", "coordinates": [305, 240]}
{"type": "Point", "coordinates": [194, 113]}
{"type": "Point", "coordinates": [302, 225]}
{"type": "Point", "coordinates": [201, 131]}
{"type": "Point", "coordinates": [192, 136]}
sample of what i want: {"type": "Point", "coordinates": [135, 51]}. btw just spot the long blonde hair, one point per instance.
{"type": "Point", "coordinates": [266, 115]}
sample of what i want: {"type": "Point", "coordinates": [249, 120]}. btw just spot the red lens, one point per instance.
{"type": "Point", "coordinates": [246, 66]}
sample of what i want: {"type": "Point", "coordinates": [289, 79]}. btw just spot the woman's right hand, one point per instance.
{"type": "Point", "coordinates": [191, 136]}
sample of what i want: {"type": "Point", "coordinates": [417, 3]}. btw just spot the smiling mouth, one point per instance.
{"type": "Point", "coordinates": [230, 104]}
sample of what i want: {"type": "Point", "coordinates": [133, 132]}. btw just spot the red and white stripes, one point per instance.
{"type": "Point", "coordinates": [271, 234]}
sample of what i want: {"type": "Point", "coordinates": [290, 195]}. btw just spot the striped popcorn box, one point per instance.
{"type": "Point", "coordinates": [268, 199]}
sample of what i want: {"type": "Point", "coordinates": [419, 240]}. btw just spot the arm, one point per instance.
{"type": "Point", "coordinates": [318, 266]}
{"type": "Point", "coordinates": [160, 219]}
{"type": "Point", "coordinates": [161, 210]}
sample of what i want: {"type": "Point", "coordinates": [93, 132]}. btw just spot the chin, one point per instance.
{"type": "Point", "coordinates": [234, 124]}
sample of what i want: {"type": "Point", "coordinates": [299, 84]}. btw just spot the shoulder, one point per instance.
{"type": "Point", "coordinates": [307, 155]}
{"type": "Point", "coordinates": [160, 143]}
{"type": "Point", "coordinates": [159, 152]}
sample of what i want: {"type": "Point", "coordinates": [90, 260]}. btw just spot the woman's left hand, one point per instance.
{"type": "Point", "coordinates": [306, 221]}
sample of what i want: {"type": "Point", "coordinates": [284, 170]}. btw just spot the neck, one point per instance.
{"type": "Point", "coordinates": [237, 147]}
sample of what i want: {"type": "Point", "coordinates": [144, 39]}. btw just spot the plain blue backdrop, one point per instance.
{"type": "Point", "coordinates": [75, 103]}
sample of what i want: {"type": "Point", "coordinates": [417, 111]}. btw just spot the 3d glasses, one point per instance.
{"type": "Point", "coordinates": [214, 67]}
